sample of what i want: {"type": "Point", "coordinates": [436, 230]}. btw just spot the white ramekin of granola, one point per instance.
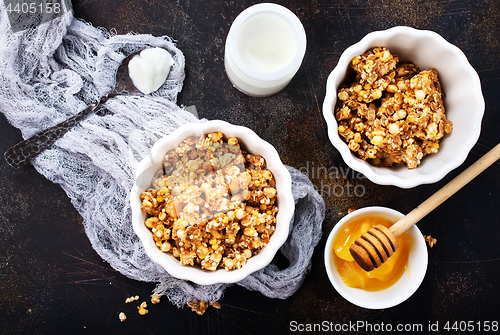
{"type": "Point", "coordinates": [212, 202]}
{"type": "Point", "coordinates": [403, 106]}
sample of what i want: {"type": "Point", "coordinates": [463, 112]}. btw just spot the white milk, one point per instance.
{"type": "Point", "coordinates": [266, 43]}
{"type": "Point", "coordinates": [264, 49]}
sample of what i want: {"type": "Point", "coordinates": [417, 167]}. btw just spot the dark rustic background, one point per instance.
{"type": "Point", "coordinates": [52, 281]}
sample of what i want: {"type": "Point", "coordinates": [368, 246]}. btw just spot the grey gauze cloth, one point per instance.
{"type": "Point", "coordinates": [53, 71]}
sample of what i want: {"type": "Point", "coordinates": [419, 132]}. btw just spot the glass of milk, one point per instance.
{"type": "Point", "coordinates": [264, 49]}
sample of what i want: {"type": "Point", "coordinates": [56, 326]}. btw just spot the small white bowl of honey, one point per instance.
{"type": "Point", "coordinates": [391, 283]}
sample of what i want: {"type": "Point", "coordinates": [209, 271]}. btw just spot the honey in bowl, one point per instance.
{"type": "Point", "coordinates": [380, 278]}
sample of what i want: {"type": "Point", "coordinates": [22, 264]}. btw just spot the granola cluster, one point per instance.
{"type": "Point", "coordinates": [212, 204]}
{"type": "Point", "coordinates": [199, 307]}
{"type": "Point", "coordinates": [392, 113]}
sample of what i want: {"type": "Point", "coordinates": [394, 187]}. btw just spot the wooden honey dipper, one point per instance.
{"type": "Point", "coordinates": [375, 246]}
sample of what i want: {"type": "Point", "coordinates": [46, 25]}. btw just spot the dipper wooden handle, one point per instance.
{"type": "Point", "coordinates": [375, 246]}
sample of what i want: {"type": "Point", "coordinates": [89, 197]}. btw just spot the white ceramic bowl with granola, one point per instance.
{"type": "Point", "coordinates": [212, 202]}
{"type": "Point", "coordinates": [387, 118]}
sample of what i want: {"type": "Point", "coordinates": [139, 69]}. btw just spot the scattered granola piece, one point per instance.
{"type": "Point", "coordinates": [155, 299]}
{"type": "Point", "coordinates": [430, 240]}
{"type": "Point", "coordinates": [201, 306]}
{"type": "Point", "coordinates": [198, 306]}
{"type": "Point", "coordinates": [122, 316]}
{"type": "Point", "coordinates": [131, 299]}
{"type": "Point", "coordinates": [142, 308]}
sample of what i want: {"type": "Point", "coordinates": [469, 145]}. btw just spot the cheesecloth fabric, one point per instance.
{"type": "Point", "coordinates": [53, 71]}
